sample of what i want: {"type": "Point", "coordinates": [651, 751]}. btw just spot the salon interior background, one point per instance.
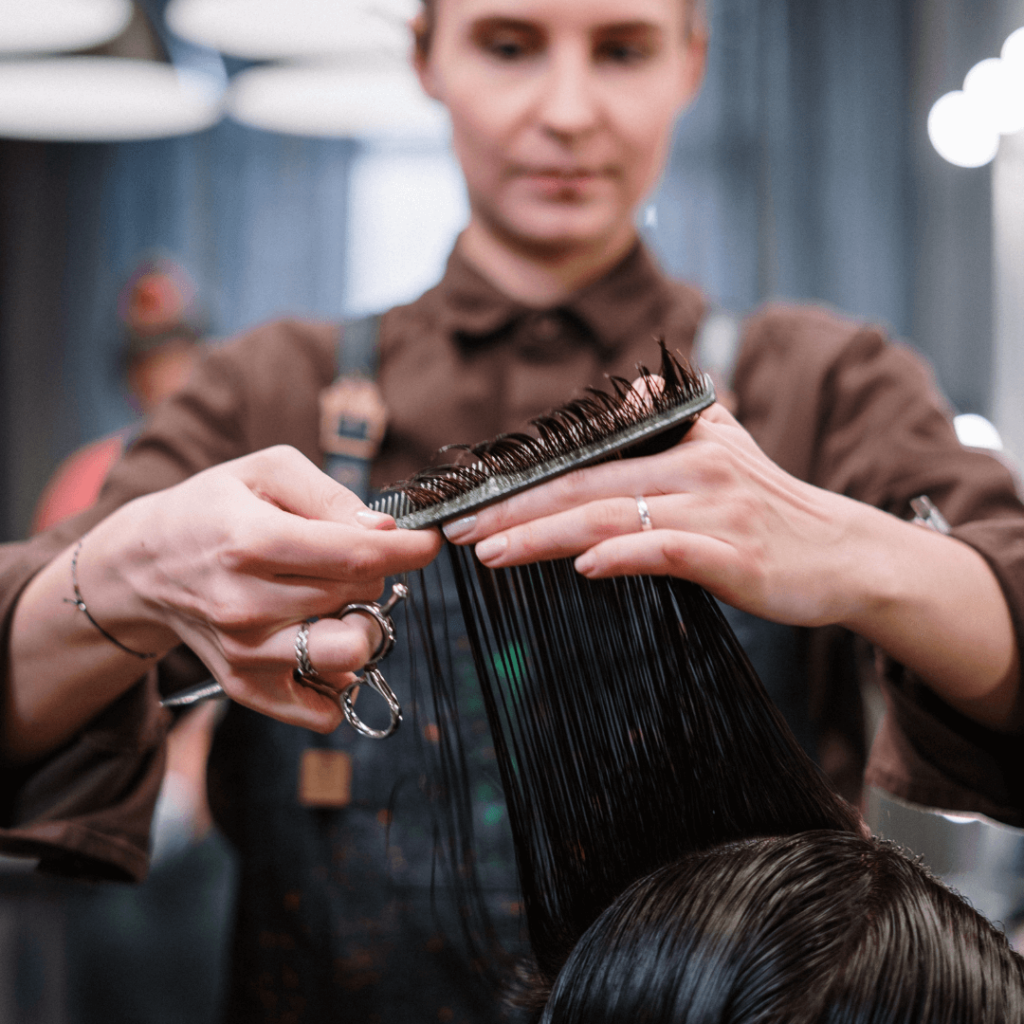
{"type": "Point", "coordinates": [807, 175]}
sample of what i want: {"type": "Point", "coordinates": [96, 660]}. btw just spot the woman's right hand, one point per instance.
{"type": "Point", "coordinates": [229, 562]}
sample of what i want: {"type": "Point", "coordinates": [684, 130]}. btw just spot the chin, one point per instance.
{"type": "Point", "coordinates": [555, 227]}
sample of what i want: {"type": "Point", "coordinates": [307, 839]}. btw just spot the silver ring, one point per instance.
{"type": "Point", "coordinates": [645, 514]}
{"type": "Point", "coordinates": [375, 681]}
{"type": "Point", "coordinates": [305, 672]}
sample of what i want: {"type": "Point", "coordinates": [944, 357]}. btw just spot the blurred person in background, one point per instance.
{"type": "Point", "coordinates": [218, 531]}
{"type": "Point", "coordinates": [163, 327]}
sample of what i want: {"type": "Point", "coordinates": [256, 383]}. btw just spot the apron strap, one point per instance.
{"type": "Point", "coordinates": [353, 417]}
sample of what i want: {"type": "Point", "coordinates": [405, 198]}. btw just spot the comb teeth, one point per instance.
{"type": "Point", "coordinates": [591, 429]}
{"type": "Point", "coordinates": [392, 503]}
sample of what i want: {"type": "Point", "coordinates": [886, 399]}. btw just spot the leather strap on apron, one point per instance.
{"type": "Point", "coordinates": [353, 417]}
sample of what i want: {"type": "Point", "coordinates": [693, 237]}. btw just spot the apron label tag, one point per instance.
{"type": "Point", "coordinates": [325, 778]}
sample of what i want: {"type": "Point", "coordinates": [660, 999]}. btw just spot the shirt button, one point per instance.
{"type": "Point", "coordinates": [546, 328]}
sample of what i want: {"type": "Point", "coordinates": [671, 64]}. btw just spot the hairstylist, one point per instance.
{"type": "Point", "coordinates": [562, 115]}
{"type": "Point", "coordinates": [211, 534]}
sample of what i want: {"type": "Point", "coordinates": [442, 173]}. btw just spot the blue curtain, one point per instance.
{"type": "Point", "coordinates": [258, 219]}
{"type": "Point", "coordinates": [790, 176]}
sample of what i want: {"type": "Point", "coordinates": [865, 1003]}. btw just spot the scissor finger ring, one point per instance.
{"type": "Point", "coordinates": [375, 681]}
{"type": "Point", "coordinates": [381, 614]}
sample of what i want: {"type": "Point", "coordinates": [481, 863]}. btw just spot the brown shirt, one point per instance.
{"type": "Point", "coordinates": [830, 400]}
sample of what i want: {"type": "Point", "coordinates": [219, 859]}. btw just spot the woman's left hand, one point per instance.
{"type": "Point", "coordinates": [722, 514]}
{"type": "Point", "coordinates": [725, 516]}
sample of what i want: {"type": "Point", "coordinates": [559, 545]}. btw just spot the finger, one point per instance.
{"type": "Point", "coordinates": [338, 646]}
{"type": "Point", "coordinates": [263, 678]}
{"type": "Point", "coordinates": [333, 646]}
{"type": "Point", "coordinates": [290, 702]}
{"type": "Point", "coordinates": [566, 533]}
{"type": "Point", "coordinates": [645, 389]}
{"type": "Point", "coordinates": [317, 549]}
{"type": "Point", "coordinates": [689, 556]}
{"type": "Point", "coordinates": [284, 543]}
{"type": "Point", "coordinates": [653, 474]}
{"type": "Point", "coordinates": [288, 599]}
{"type": "Point", "coordinates": [284, 477]}
{"type": "Point", "coordinates": [569, 491]}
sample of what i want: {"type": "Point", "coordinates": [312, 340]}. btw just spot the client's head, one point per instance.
{"type": "Point", "coordinates": [823, 927]}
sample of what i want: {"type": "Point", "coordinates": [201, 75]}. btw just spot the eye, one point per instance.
{"type": "Point", "coordinates": [626, 45]}
{"type": "Point", "coordinates": [507, 42]}
{"type": "Point", "coordinates": [506, 47]}
{"type": "Point", "coordinates": [620, 53]}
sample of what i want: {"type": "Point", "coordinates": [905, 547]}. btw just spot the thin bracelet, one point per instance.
{"type": "Point", "coordinates": [79, 603]}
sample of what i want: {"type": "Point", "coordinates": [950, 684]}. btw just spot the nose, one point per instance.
{"type": "Point", "coordinates": [569, 105]}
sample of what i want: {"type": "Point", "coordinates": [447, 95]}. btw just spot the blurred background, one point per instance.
{"type": "Point", "coordinates": [866, 155]}
{"type": "Point", "coordinates": [296, 181]}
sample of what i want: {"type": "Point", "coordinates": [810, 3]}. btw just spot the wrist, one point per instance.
{"type": "Point", "coordinates": [877, 572]}
{"type": "Point", "coordinates": [109, 567]}
{"type": "Point", "coordinates": [932, 603]}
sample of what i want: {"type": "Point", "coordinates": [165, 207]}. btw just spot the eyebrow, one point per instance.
{"type": "Point", "coordinates": [631, 26]}
{"type": "Point", "coordinates": [528, 25]}
{"type": "Point", "coordinates": [501, 21]}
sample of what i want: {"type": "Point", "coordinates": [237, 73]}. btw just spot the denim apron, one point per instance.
{"type": "Point", "coordinates": [343, 914]}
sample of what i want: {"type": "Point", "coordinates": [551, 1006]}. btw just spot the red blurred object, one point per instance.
{"type": "Point", "coordinates": [163, 324]}
{"type": "Point", "coordinates": [76, 484]}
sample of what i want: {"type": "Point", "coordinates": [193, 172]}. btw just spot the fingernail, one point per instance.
{"type": "Point", "coordinates": [459, 527]}
{"type": "Point", "coordinates": [585, 564]}
{"type": "Point", "coordinates": [375, 520]}
{"type": "Point", "coordinates": [492, 548]}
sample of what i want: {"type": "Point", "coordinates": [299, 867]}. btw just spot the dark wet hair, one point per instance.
{"type": "Point", "coordinates": [816, 928]}
{"type": "Point", "coordinates": [680, 857]}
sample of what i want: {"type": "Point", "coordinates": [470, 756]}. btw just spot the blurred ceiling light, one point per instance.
{"type": "Point", "coordinates": [962, 132]}
{"type": "Point", "coordinates": [46, 26]}
{"type": "Point", "coordinates": [272, 29]}
{"type": "Point", "coordinates": [975, 431]}
{"type": "Point", "coordinates": [335, 101]}
{"type": "Point", "coordinates": [997, 87]}
{"type": "Point", "coordinates": [95, 99]}
{"type": "Point", "coordinates": [1013, 49]}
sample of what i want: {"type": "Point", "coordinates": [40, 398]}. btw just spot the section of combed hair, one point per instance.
{"type": "Point", "coordinates": [676, 847]}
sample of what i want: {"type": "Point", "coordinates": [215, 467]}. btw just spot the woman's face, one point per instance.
{"type": "Point", "coordinates": [562, 110]}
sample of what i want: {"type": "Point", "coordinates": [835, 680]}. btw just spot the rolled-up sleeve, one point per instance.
{"type": "Point", "coordinates": [838, 404]}
{"type": "Point", "coordinates": [86, 808]}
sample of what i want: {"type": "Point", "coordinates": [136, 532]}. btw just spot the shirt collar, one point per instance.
{"type": "Point", "coordinates": [613, 308]}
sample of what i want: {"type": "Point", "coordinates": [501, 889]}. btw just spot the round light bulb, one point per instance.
{"type": "Point", "coordinates": [961, 132]}
{"type": "Point", "coordinates": [997, 87]}
{"type": "Point", "coordinates": [1013, 49]}
{"type": "Point", "coordinates": [974, 431]}
{"type": "Point", "coordinates": [48, 26]}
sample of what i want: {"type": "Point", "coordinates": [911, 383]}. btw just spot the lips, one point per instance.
{"type": "Point", "coordinates": [562, 173]}
{"type": "Point", "coordinates": [561, 182]}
